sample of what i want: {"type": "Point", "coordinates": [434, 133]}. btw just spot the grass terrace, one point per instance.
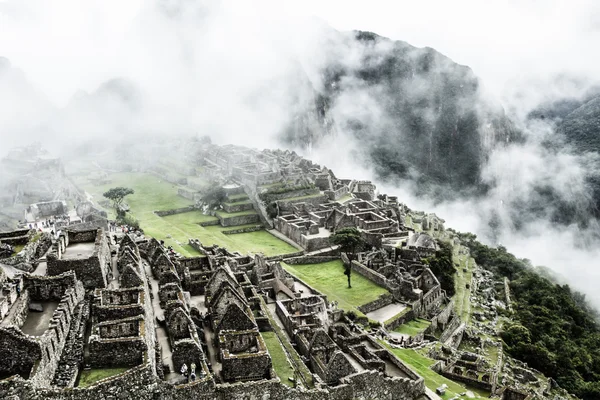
{"type": "Point", "coordinates": [281, 365]}
{"type": "Point", "coordinates": [224, 214]}
{"type": "Point", "coordinates": [329, 279]}
{"type": "Point", "coordinates": [414, 327]}
{"type": "Point", "coordinates": [421, 365]}
{"type": "Point", "coordinates": [91, 376]}
{"type": "Point", "coordinates": [155, 194]}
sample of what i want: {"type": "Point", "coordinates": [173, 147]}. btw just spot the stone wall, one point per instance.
{"type": "Point", "coordinates": [441, 320]}
{"type": "Point", "coordinates": [37, 357]}
{"type": "Point", "coordinates": [139, 383]}
{"type": "Point", "coordinates": [19, 310]}
{"type": "Point", "coordinates": [18, 352]}
{"type": "Point", "coordinates": [28, 257]}
{"type": "Point", "coordinates": [287, 204]}
{"type": "Point", "coordinates": [238, 207]}
{"type": "Point", "coordinates": [175, 211]}
{"type": "Point", "coordinates": [310, 259]}
{"type": "Point", "coordinates": [93, 271]}
{"type": "Point", "coordinates": [467, 380]}
{"type": "Point", "coordinates": [82, 236]}
{"type": "Point", "coordinates": [382, 301]}
{"type": "Point", "coordinates": [117, 352]}
{"type": "Point", "coordinates": [243, 230]}
{"type": "Point", "coordinates": [402, 317]}
{"type": "Point", "coordinates": [369, 274]}
{"type": "Point", "coordinates": [245, 219]}
{"type": "Point", "coordinates": [49, 288]}
{"type": "Point", "coordinates": [13, 234]}
{"type": "Point", "coordinates": [454, 324]}
{"type": "Point", "coordinates": [71, 358]}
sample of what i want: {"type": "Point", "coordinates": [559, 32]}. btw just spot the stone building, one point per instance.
{"type": "Point", "coordinates": [87, 253]}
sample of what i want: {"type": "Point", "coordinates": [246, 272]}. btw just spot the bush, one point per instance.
{"type": "Point", "coordinates": [128, 219]}
{"type": "Point", "coordinates": [272, 210]}
{"type": "Point", "coordinates": [374, 324]}
{"type": "Point", "coordinates": [214, 195]}
{"type": "Point", "coordinates": [442, 266]}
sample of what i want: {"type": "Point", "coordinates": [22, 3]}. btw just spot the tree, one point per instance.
{"type": "Point", "coordinates": [214, 195]}
{"type": "Point", "coordinates": [117, 195]}
{"type": "Point", "coordinates": [442, 266]}
{"type": "Point", "coordinates": [350, 241]}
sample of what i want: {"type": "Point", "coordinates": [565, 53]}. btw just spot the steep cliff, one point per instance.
{"type": "Point", "coordinates": [415, 113]}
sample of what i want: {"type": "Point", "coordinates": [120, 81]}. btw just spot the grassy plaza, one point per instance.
{"type": "Point", "coordinates": [155, 194]}
{"type": "Point", "coordinates": [329, 279]}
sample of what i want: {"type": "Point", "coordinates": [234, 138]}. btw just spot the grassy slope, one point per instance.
{"type": "Point", "coordinates": [329, 279]}
{"type": "Point", "coordinates": [281, 365]}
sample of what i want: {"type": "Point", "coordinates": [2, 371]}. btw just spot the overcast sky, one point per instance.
{"type": "Point", "coordinates": [506, 42]}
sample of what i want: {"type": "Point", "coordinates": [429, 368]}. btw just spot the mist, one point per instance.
{"type": "Point", "coordinates": [242, 73]}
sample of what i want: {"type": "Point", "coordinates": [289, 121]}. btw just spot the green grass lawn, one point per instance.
{"type": "Point", "coordinates": [91, 376]}
{"type": "Point", "coordinates": [186, 225]}
{"type": "Point", "coordinates": [155, 194]}
{"type": "Point", "coordinates": [17, 249]}
{"type": "Point", "coordinates": [329, 279]}
{"type": "Point", "coordinates": [281, 365]}
{"type": "Point", "coordinates": [413, 327]}
{"type": "Point", "coordinates": [420, 364]}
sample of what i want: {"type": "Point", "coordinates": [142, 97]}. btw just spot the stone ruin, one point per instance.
{"type": "Point", "coordinates": [405, 276]}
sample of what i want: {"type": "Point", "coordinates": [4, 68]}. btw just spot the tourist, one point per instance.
{"type": "Point", "coordinates": [184, 369]}
{"type": "Point", "coordinates": [193, 374]}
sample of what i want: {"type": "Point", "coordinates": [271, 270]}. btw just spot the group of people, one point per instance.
{"type": "Point", "coordinates": [192, 375]}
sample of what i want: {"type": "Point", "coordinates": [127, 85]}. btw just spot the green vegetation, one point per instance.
{"type": "Point", "coordinates": [154, 194]}
{"type": "Point", "coordinates": [554, 330]}
{"type": "Point", "coordinates": [414, 327]}
{"type": "Point", "coordinates": [421, 365]}
{"type": "Point", "coordinates": [281, 365]}
{"type": "Point", "coordinates": [350, 241]}
{"type": "Point", "coordinates": [186, 225]}
{"type": "Point", "coordinates": [277, 189]}
{"type": "Point", "coordinates": [214, 195]}
{"type": "Point", "coordinates": [117, 195]}
{"type": "Point", "coordinates": [345, 198]}
{"type": "Point", "coordinates": [17, 249]}
{"type": "Point", "coordinates": [442, 266]}
{"type": "Point", "coordinates": [91, 376]}
{"type": "Point", "coordinates": [305, 375]}
{"type": "Point", "coordinates": [397, 316]}
{"type": "Point", "coordinates": [328, 278]}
